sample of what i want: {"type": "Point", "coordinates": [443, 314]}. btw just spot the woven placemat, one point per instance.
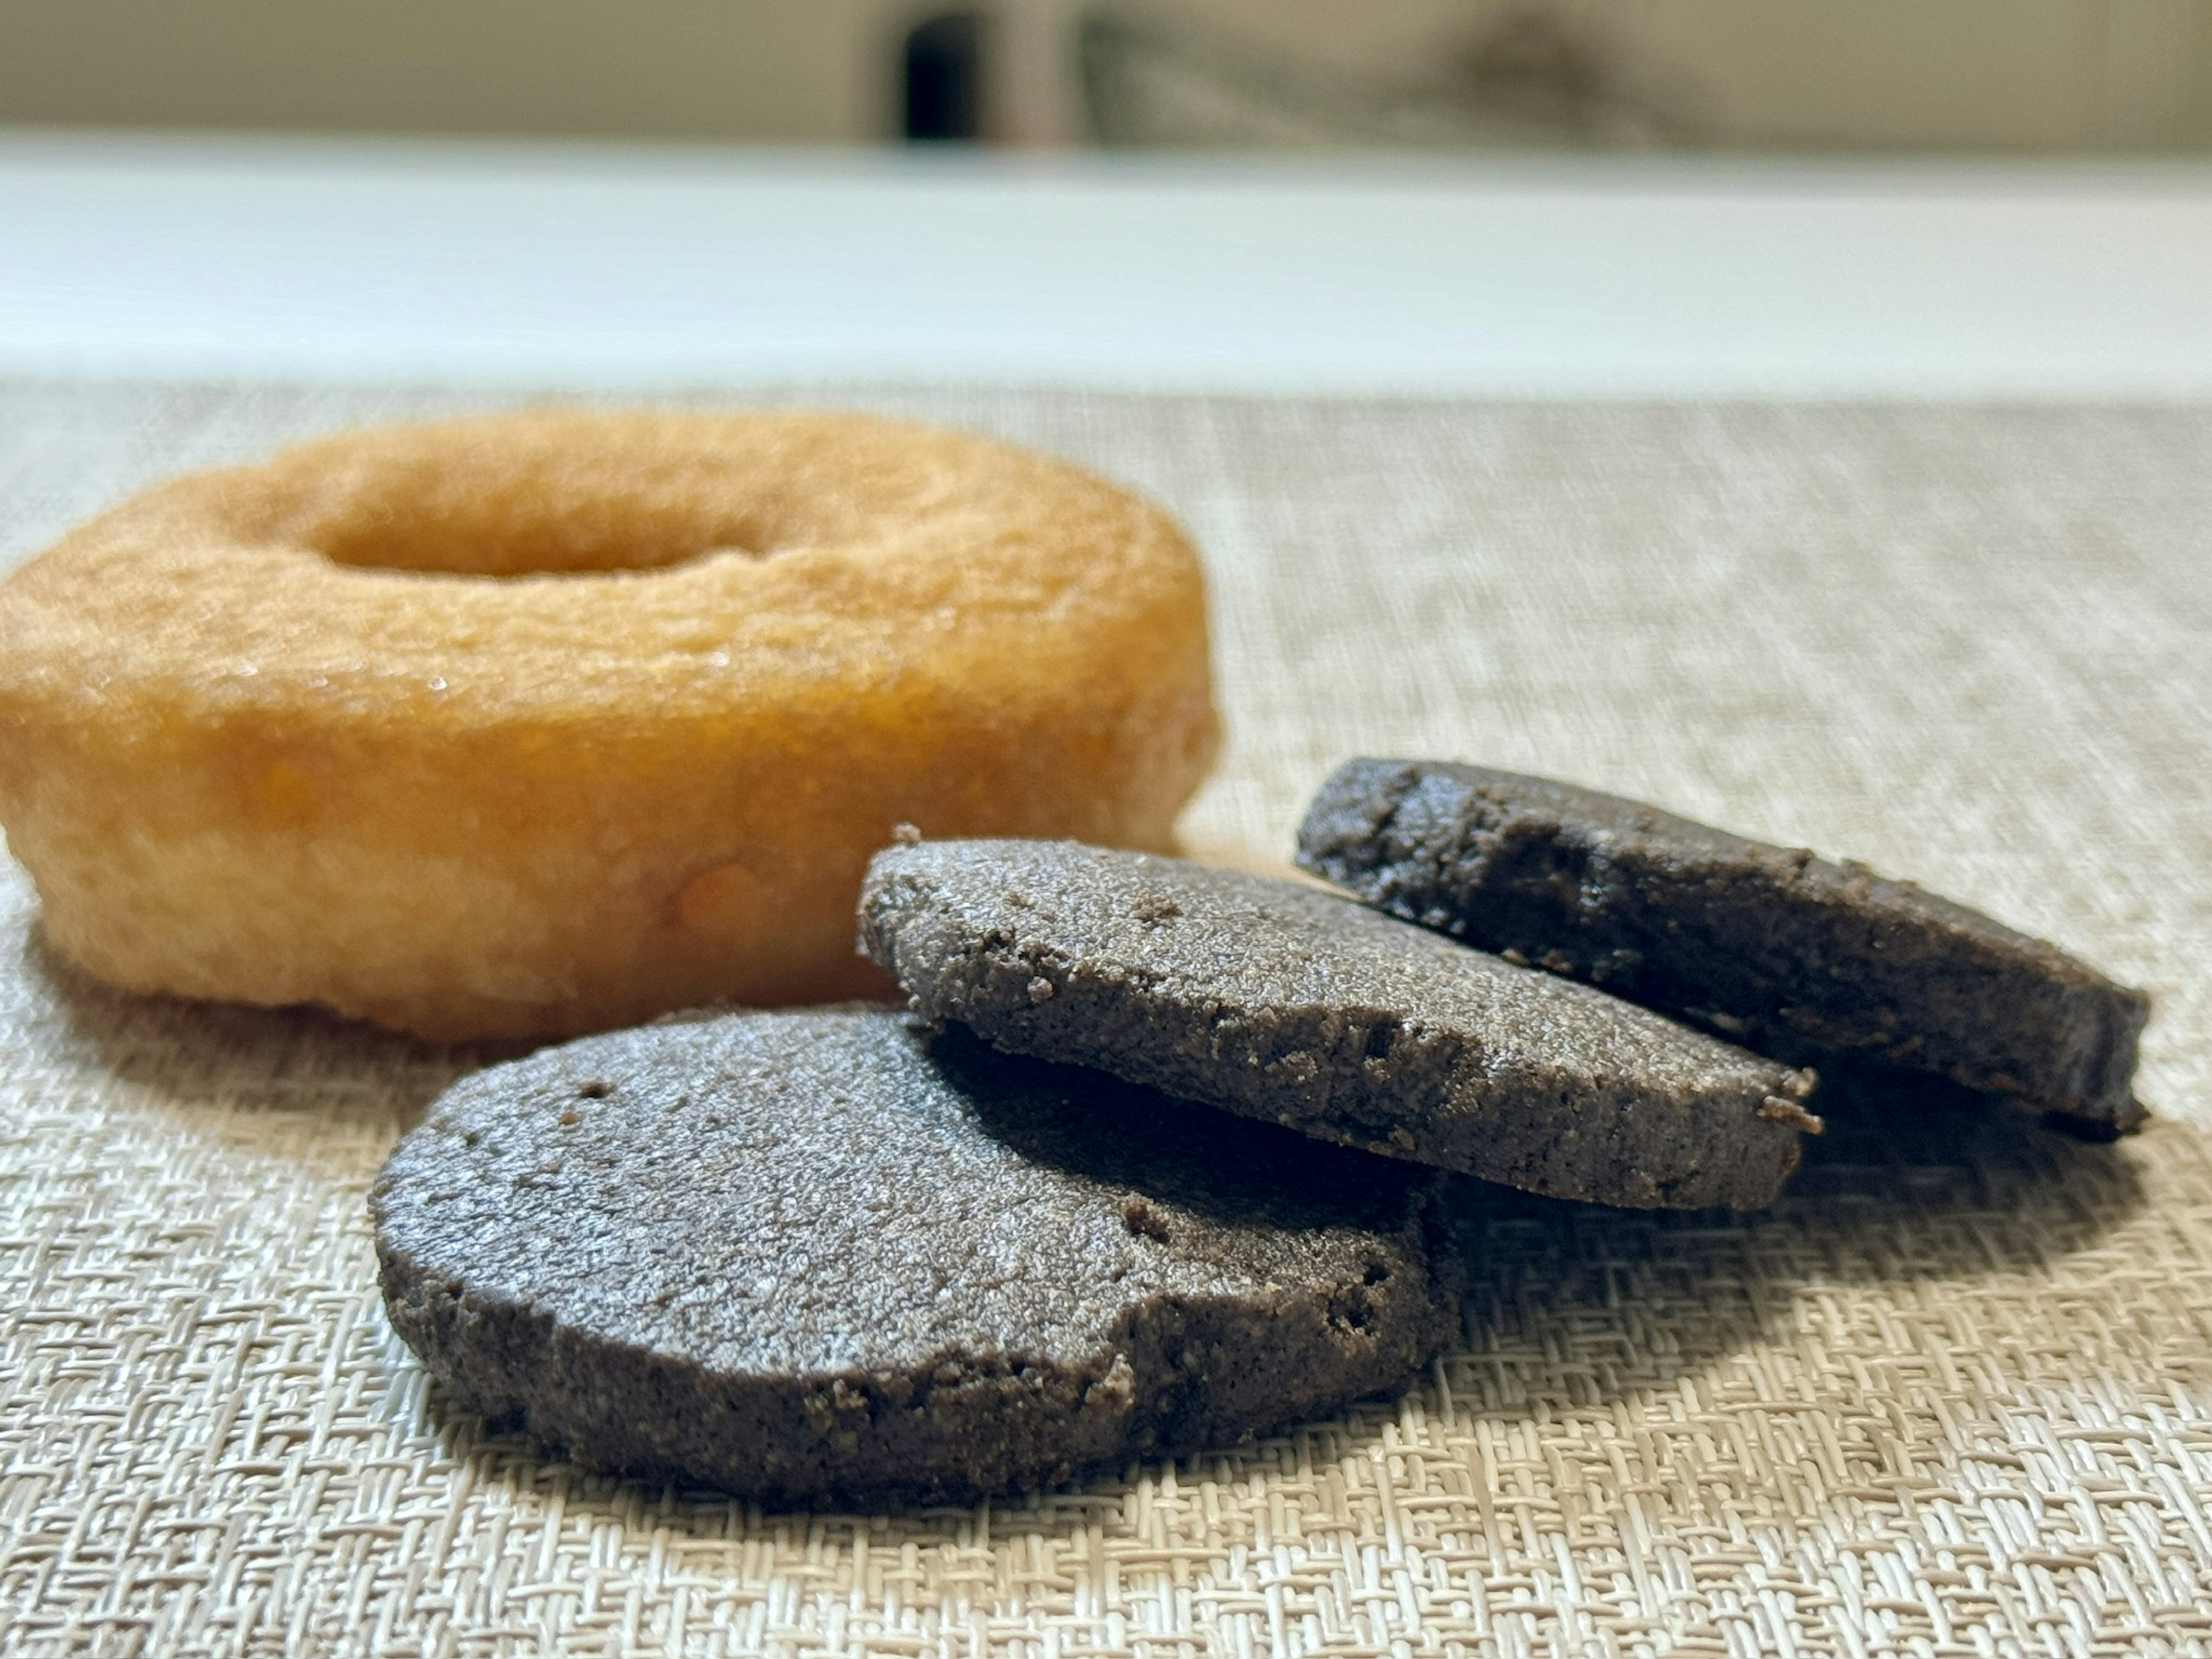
{"type": "Point", "coordinates": [1953, 1395]}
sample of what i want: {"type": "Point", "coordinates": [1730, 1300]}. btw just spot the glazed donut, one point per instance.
{"type": "Point", "coordinates": [541, 724]}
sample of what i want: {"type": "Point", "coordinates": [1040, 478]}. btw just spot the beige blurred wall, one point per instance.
{"type": "Point", "coordinates": [1944, 74]}
{"type": "Point", "coordinates": [817, 71]}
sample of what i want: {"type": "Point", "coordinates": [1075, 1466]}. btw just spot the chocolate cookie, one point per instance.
{"type": "Point", "coordinates": [1277, 1001]}
{"type": "Point", "coordinates": [802, 1258]}
{"type": "Point", "coordinates": [1785, 952]}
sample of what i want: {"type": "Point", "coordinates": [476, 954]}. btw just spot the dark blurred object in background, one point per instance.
{"type": "Point", "coordinates": [942, 72]}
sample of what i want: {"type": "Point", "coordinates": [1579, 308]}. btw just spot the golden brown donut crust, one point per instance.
{"type": "Point", "coordinates": [540, 724]}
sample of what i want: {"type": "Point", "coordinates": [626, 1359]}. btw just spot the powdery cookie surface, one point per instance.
{"type": "Point", "coordinates": [1787, 951]}
{"type": "Point", "coordinates": [800, 1258]}
{"type": "Point", "coordinates": [533, 724]}
{"type": "Point", "coordinates": [1274, 1000]}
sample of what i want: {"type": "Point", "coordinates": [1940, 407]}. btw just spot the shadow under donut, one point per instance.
{"type": "Point", "coordinates": [240, 1058]}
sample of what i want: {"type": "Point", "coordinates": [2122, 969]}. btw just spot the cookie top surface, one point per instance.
{"type": "Point", "coordinates": [1789, 951]}
{"type": "Point", "coordinates": [755, 1211]}
{"type": "Point", "coordinates": [1275, 1000]}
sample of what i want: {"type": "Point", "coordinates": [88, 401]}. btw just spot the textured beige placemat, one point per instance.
{"type": "Point", "coordinates": [1954, 1396]}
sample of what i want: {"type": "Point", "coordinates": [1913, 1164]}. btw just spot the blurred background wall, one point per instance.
{"type": "Point", "coordinates": [1953, 74]}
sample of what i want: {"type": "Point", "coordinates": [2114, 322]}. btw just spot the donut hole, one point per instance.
{"type": "Point", "coordinates": [442, 537]}
{"type": "Point", "coordinates": [536, 515]}
{"type": "Point", "coordinates": [575, 494]}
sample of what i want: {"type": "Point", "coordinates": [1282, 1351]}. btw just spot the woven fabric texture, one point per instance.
{"type": "Point", "coordinates": [1953, 1395]}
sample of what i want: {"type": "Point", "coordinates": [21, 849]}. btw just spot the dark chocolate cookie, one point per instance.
{"type": "Point", "coordinates": [1280, 1002]}
{"type": "Point", "coordinates": [1785, 952]}
{"type": "Point", "coordinates": [804, 1258]}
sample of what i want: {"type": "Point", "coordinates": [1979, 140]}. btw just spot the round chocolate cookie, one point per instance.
{"type": "Point", "coordinates": [1271, 1000]}
{"type": "Point", "coordinates": [1787, 952]}
{"type": "Point", "coordinates": [810, 1257]}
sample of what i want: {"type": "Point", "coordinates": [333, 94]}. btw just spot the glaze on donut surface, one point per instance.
{"type": "Point", "coordinates": [542, 723]}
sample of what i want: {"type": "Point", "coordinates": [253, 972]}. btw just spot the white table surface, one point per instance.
{"type": "Point", "coordinates": [610, 266]}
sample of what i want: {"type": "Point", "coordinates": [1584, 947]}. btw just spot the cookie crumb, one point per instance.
{"type": "Point", "coordinates": [906, 835]}
{"type": "Point", "coordinates": [1143, 1220]}
{"type": "Point", "coordinates": [1775, 1109]}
